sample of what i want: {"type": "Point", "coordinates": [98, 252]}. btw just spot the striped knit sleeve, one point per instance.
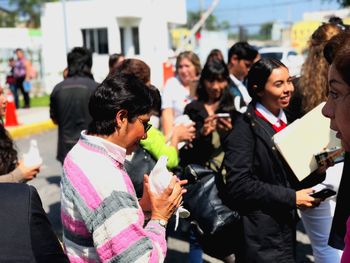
{"type": "Point", "coordinates": [111, 213]}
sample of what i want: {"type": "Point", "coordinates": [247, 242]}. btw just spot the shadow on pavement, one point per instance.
{"type": "Point", "coordinates": [54, 213]}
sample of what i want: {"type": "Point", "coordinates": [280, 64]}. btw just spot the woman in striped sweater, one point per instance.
{"type": "Point", "coordinates": [103, 221]}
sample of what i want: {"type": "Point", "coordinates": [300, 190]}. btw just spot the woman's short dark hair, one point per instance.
{"type": "Point", "coordinates": [337, 52]}
{"type": "Point", "coordinates": [117, 92]}
{"type": "Point", "coordinates": [214, 70]}
{"type": "Point", "coordinates": [259, 73]}
{"type": "Point", "coordinates": [8, 154]}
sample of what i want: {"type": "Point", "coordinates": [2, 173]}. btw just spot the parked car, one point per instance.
{"type": "Point", "coordinates": [286, 55]}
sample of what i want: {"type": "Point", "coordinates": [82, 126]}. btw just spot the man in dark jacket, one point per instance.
{"type": "Point", "coordinates": [240, 58]}
{"type": "Point", "coordinates": [69, 100]}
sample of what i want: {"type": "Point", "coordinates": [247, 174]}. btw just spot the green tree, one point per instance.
{"type": "Point", "coordinates": [344, 3]}
{"type": "Point", "coordinates": [7, 18]}
{"type": "Point", "coordinates": [265, 30]}
{"type": "Point", "coordinates": [29, 11]}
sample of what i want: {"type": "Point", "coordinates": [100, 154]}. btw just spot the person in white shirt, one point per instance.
{"type": "Point", "coordinates": [179, 90]}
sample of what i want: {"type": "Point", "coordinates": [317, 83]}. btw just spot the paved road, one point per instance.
{"type": "Point", "coordinates": [48, 181]}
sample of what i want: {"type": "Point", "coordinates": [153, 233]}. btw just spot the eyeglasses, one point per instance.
{"type": "Point", "coordinates": [146, 125]}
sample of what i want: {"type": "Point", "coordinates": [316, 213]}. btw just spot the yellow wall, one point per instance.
{"type": "Point", "coordinates": [301, 33]}
{"type": "Point", "coordinates": [178, 34]}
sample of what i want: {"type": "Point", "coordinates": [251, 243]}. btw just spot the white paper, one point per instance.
{"type": "Point", "coordinates": [159, 179]}
{"type": "Point", "coordinates": [301, 140]}
{"type": "Point", "coordinates": [32, 157]}
{"type": "Point", "coordinates": [185, 120]}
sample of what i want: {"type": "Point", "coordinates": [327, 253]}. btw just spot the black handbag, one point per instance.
{"type": "Point", "coordinates": [142, 162]}
{"type": "Point", "coordinates": [214, 221]}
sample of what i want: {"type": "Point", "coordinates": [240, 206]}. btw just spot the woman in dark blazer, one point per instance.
{"type": "Point", "coordinates": [26, 233]}
{"type": "Point", "coordinates": [259, 183]}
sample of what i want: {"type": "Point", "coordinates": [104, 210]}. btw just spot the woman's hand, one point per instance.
{"type": "Point", "coordinates": [304, 200]}
{"type": "Point", "coordinates": [29, 172]}
{"type": "Point", "coordinates": [183, 133]}
{"type": "Point", "coordinates": [224, 124]}
{"type": "Point", "coordinates": [165, 204]}
{"type": "Point", "coordinates": [209, 125]}
{"type": "Point", "coordinates": [145, 201]}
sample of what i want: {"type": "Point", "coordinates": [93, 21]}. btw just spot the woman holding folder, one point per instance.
{"type": "Point", "coordinates": [259, 182]}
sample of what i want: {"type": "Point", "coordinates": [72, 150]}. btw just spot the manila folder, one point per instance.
{"type": "Point", "coordinates": [301, 140]}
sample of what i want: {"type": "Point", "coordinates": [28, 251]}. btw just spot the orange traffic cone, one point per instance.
{"type": "Point", "coordinates": [10, 117]}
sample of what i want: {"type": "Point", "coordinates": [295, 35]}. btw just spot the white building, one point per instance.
{"type": "Point", "coordinates": [137, 28]}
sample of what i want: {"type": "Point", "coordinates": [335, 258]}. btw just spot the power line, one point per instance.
{"type": "Point", "coordinates": [253, 7]}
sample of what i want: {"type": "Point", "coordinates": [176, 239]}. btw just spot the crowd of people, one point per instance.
{"type": "Point", "coordinates": [220, 115]}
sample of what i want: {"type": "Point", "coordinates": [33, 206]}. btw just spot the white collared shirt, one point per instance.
{"type": "Point", "coordinates": [270, 117]}
{"type": "Point", "coordinates": [115, 151]}
{"type": "Point", "coordinates": [242, 88]}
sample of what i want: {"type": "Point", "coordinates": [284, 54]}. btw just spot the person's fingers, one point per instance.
{"type": "Point", "coordinates": [183, 182]}
{"type": "Point", "coordinates": [176, 190]}
{"type": "Point", "coordinates": [177, 201]}
{"type": "Point", "coordinates": [170, 189]}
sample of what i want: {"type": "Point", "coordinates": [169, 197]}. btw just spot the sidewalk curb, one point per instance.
{"type": "Point", "coordinates": [30, 129]}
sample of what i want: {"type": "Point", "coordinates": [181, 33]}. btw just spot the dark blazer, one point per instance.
{"type": "Point", "coordinates": [342, 208]}
{"type": "Point", "coordinates": [202, 148]}
{"type": "Point", "coordinates": [26, 233]}
{"type": "Point", "coordinates": [258, 187]}
{"type": "Point", "coordinates": [239, 103]}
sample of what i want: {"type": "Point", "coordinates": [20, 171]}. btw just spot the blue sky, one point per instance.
{"type": "Point", "coordinates": [257, 12]}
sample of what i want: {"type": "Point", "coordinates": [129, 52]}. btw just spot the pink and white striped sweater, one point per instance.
{"type": "Point", "coordinates": [102, 219]}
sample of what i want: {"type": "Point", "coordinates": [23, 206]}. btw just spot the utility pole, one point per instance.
{"type": "Point", "coordinates": [201, 10]}
{"type": "Point", "coordinates": [197, 26]}
{"type": "Point", "coordinates": [65, 25]}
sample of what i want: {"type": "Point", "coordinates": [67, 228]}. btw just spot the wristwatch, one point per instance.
{"type": "Point", "coordinates": [161, 222]}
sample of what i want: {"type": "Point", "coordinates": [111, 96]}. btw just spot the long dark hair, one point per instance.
{"type": "Point", "coordinates": [8, 154]}
{"type": "Point", "coordinates": [258, 75]}
{"type": "Point", "coordinates": [215, 70]}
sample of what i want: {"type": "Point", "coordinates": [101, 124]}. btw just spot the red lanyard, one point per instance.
{"type": "Point", "coordinates": [276, 128]}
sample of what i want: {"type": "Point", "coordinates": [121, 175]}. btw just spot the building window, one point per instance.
{"type": "Point", "coordinates": [122, 40]}
{"type": "Point", "coordinates": [135, 40]}
{"type": "Point", "coordinates": [129, 40]}
{"type": "Point", "coordinates": [96, 40]}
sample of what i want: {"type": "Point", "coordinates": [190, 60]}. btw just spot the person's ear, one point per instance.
{"type": "Point", "coordinates": [121, 118]}
{"type": "Point", "coordinates": [234, 59]}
